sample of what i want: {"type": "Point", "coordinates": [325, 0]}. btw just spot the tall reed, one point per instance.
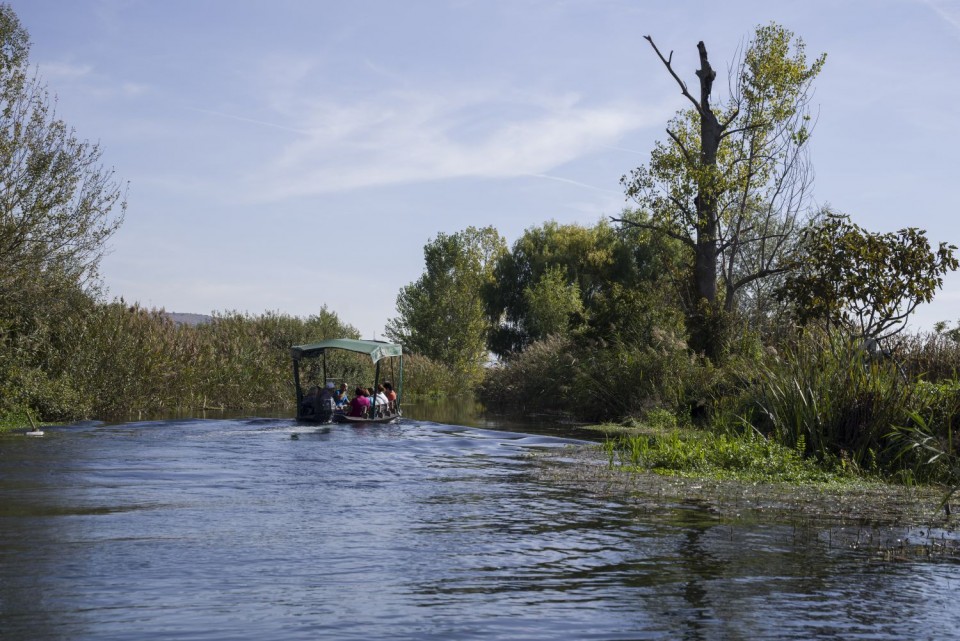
{"type": "Point", "coordinates": [833, 399]}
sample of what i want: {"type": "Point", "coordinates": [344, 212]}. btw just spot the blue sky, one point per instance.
{"type": "Point", "coordinates": [286, 154]}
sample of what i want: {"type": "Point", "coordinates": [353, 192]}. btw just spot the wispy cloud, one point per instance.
{"type": "Point", "coordinates": [406, 137]}
{"type": "Point", "coordinates": [949, 12]}
{"type": "Point", "coordinates": [263, 123]}
{"type": "Point", "coordinates": [576, 183]}
{"type": "Point", "coordinates": [64, 70]}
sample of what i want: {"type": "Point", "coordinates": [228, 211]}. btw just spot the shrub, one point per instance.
{"type": "Point", "coordinates": [423, 376]}
{"type": "Point", "coordinates": [831, 397]}
{"type": "Point", "coordinates": [540, 378]}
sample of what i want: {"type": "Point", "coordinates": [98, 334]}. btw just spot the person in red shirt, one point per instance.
{"type": "Point", "coordinates": [391, 396]}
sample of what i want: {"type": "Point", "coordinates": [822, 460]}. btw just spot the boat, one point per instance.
{"type": "Point", "coordinates": [320, 408]}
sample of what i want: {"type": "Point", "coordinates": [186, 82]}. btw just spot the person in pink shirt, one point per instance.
{"type": "Point", "coordinates": [360, 403]}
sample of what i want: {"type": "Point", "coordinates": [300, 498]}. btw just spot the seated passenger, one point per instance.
{"type": "Point", "coordinates": [360, 403]}
{"type": "Point", "coordinates": [309, 403]}
{"type": "Point", "coordinates": [380, 403]}
{"type": "Point", "coordinates": [325, 401]}
{"type": "Point", "coordinates": [341, 398]}
{"type": "Point", "coordinates": [391, 395]}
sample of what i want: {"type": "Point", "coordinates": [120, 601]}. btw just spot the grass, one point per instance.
{"type": "Point", "coordinates": [17, 421]}
{"type": "Point", "coordinates": [693, 453]}
{"type": "Point", "coordinates": [657, 464]}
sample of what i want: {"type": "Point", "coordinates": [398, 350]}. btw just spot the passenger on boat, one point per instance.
{"type": "Point", "coordinates": [325, 400]}
{"type": "Point", "coordinates": [341, 398]}
{"type": "Point", "coordinates": [309, 403]}
{"type": "Point", "coordinates": [380, 403]}
{"type": "Point", "coordinates": [391, 395]}
{"type": "Point", "coordinates": [360, 403]}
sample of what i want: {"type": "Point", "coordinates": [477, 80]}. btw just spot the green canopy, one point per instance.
{"type": "Point", "coordinates": [376, 350]}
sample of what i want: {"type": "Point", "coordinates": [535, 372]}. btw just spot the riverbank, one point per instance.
{"type": "Point", "coordinates": [890, 521]}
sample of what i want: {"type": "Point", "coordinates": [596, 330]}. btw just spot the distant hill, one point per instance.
{"type": "Point", "coordinates": [189, 319]}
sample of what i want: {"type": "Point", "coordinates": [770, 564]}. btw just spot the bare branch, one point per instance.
{"type": "Point", "coordinates": [668, 64]}
{"type": "Point", "coordinates": [686, 240]}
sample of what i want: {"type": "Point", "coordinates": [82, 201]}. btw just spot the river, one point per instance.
{"type": "Point", "coordinates": [262, 528]}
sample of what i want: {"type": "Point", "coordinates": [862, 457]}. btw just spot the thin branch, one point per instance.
{"type": "Point", "coordinates": [686, 154]}
{"type": "Point", "coordinates": [668, 64]}
{"type": "Point", "coordinates": [686, 240]}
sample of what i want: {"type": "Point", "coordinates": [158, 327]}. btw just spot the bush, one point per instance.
{"type": "Point", "coordinates": [423, 376]}
{"type": "Point", "coordinates": [541, 378]}
{"type": "Point", "coordinates": [832, 399]}
{"type": "Point", "coordinates": [590, 380]}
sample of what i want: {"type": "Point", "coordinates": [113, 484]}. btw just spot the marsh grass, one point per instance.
{"type": "Point", "coordinates": [829, 398]}
{"type": "Point", "coordinates": [116, 361]}
{"type": "Point", "coordinates": [589, 380]}
{"type": "Point", "coordinates": [698, 453]}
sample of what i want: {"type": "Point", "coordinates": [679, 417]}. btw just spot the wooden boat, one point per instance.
{"type": "Point", "coordinates": [318, 410]}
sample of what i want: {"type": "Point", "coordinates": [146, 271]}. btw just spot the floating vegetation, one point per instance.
{"type": "Point", "coordinates": [887, 522]}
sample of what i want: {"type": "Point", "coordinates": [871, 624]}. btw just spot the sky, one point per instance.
{"type": "Point", "coordinates": [282, 155]}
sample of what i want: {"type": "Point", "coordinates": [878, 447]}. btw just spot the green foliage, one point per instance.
{"type": "Point", "coordinates": [425, 377]}
{"type": "Point", "coordinates": [58, 207]}
{"type": "Point", "coordinates": [868, 284]}
{"type": "Point", "coordinates": [560, 375]}
{"type": "Point", "coordinates": [747, 457]}
{"type": "Point", "coordinates": [541, 378]}
{"type": "Point", "coordinates": [833, 397]}
{"type": "Point", "coordinates": [118, 360]}
{"type": "Point", "coordinates": [928, 453]}
{"type": "Point", "coordinates": [551, 301]}
{"type": "Point", "coordinates": [592, 281]}
{"type": "Point", "coordinates": [441, 316]}
{"type": "Point", "coordinates": [933, 356]}
{"type": "Point", "coordinates": [57, 202]}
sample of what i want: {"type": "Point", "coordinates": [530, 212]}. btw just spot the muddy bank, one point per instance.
{"type": "Point", "coordinates": [891, 521]}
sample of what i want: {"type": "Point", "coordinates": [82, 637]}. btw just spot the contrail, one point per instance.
{"type": "Point", "coordinates": [250, 120]}
{"type": "Point", "coordinates": [574, 182]}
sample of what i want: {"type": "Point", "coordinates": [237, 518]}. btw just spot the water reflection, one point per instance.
{"type": "Point", "coordinates": [233, 529]}
{"type": "Point", "coordinates": [467, 411]}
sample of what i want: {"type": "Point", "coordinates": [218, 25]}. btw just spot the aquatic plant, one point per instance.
{"type": "Point", "coordinates": [692, 452]}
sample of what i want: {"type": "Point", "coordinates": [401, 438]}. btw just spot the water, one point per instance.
{"type": "Point", "coordinates": [266, 529]}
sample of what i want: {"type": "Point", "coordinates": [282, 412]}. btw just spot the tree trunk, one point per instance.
{"type": "Point", "coordinates": [703, 326]}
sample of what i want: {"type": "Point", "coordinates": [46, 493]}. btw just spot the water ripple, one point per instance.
{"type": "Point", "coordinates": [265, 528]}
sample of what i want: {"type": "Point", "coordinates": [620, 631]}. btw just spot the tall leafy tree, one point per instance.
{"type": "Point", "coordinates": [734, 177]}
{"type": "Point", "coordinates": [441, 315]}
{"type": "Point", "coordinates": [58, 204]}
{"type": "Point", "coordinates": [573, 278]}
{"type": "Point", "coordinates": [551, 301]}
{"type": "Point", "coordinates": [58, 208]}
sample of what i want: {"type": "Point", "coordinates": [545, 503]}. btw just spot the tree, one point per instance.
{"type": "Point", "coordinates": [535, 284]}
{"type": "Point", "coordinates": [57, 203]}
{"type": "Point", "coordinates": [734, 178]}
{"type": "Point", "coordinates": [585, 258]}
{"type": "Point", "coordinates": [551, 302]}
{"type": "Point", "coordinates": [867, 284]}
{"type": "Point", "coordinates": [441, 315]}
{"type": "Point", "coordinates": [58, 208]}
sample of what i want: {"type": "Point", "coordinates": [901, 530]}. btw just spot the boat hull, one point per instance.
{"type": "Point", "coordinates": [359, 420]}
